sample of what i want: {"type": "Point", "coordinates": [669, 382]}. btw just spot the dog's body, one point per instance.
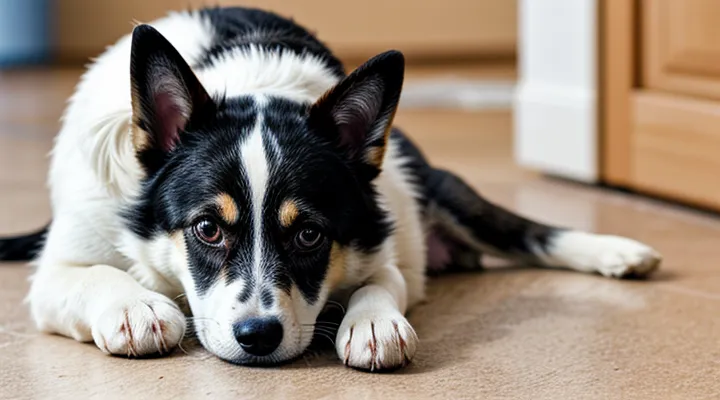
{"type": "Point", "coordinates": [259, 180]}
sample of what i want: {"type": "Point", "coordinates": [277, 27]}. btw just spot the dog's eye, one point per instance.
{"type": "Point", "coordinates": [209, 232]}
{"type": "Point", "coordinates": [308, 239]}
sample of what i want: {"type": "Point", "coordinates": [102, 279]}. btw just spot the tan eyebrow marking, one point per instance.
{"type": "Point", "coordinates": [288, 213]}
{"type": "Point", "coordinates": [228, 208]}
{"type": "Point", "coordinates": [336, 267]}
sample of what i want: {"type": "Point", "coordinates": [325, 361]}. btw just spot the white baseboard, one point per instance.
{"type": "Point", "coordinates": [454, 93]}
{"type": "Point", "coordinates": [555, 106]}
{"type": "Point", "coordinates": [555, 131]}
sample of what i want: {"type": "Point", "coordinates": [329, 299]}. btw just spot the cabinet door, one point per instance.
{"type": "Point", "coordinates": [660, 131]}
{"type": "Point", "coordinates": [681, 46]}
{"type": "Point", "coordinates": [676, 147]}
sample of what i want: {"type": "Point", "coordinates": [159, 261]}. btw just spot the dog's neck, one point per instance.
{"type": "Point", "coordinates": [254, 71]}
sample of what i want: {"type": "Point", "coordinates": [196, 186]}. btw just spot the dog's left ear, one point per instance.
{"type": "Point", "coordinates": [166, 96]}
{"type": "Point", "coordinates": [357, 113]}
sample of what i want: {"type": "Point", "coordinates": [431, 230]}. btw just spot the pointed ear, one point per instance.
{"type": "Point", "coordinates": [166, 95]}
{"type": "Point", "coordinates": [357, 113]}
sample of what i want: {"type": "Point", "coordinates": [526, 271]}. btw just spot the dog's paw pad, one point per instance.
{"type": "Point", "coordinates": [376, 343]}
{"type": "Point", "coordinates": [140, 327]}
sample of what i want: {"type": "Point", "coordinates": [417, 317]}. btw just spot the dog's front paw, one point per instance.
{"type": "Point", "coordinates": [376, 341]}
{"type": "Point", "coordinates": [148, 325]}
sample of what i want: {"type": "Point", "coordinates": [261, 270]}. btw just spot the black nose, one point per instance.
{"type": "Point", "coordinates": [259, 336]}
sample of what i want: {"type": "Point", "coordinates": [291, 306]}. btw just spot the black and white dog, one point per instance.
{"type": "Point", "coordinates": [238, 165]}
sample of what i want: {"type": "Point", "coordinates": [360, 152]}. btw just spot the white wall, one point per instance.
{"type": "Point", "coordinates": [556, 100]}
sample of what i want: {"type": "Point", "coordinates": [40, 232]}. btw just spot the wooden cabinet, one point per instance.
{"type": "Point", "coordinates": [660, 98]}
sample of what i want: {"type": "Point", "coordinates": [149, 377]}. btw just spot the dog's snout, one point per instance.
{"type": "Point", "coordinates": [259, 336]}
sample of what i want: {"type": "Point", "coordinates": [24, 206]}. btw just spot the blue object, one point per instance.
{"type": "Point", "coordinates": [24, 32]}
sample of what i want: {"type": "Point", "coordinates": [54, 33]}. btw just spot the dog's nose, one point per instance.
{"type": "Point", "coordinates": [259, 336]}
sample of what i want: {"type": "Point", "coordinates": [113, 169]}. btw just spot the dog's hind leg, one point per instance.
{"type": "Point", "coordinates": [458, 212]}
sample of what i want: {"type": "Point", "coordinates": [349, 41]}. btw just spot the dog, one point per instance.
{"type": "Point", "coordinates": [223, 159]}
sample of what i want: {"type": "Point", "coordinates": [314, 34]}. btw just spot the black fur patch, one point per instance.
{"type": "Point", "coordinates": [266, 298]}
{"type": "Point", "coordinates": [240, 28]}
{"type": "Point", "coordinates": [491, 226]}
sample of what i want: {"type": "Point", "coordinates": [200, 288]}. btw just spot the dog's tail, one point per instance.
{"type": "Point", "coordinates": [464, 215]}
{"type": "Point", "coordinates": [22, 248]}
{"type": "Point", "coordinates": [468, 219]}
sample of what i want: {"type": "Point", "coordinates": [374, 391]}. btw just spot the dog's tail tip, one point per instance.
{"type": "Point", "coordinates": [24, 247]}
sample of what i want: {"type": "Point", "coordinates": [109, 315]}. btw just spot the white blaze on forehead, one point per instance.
{"type": "Point", "coordinates": [261, 101]}
{"type": "Point", "coordinates": [257, 173]}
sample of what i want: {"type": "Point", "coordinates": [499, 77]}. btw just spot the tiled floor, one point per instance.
{"type": "Point", "coordinates": [514, 333]}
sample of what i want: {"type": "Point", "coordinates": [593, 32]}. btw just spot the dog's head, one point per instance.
{"type": "Point", "coordinates": [265, 204]}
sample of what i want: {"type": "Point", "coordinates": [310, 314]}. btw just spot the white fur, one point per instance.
{"type": "Point", "coordinates": [97, 119]}
{"type": "Point", "coordinates": [611, 256]}
{"type": "Point", "coordinates": [255, 71]}
{"type": "Point", "coordinates": [256, 168]}
{"type": "Point", "coordinates": [375, 333]}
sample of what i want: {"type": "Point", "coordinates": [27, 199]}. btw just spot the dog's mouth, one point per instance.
{"type": "Point", "coordinates": [264, 362]}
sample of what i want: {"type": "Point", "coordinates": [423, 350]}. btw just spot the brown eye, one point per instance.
{"type": "Point", "coordinates": [308, 239]}
{"type": "Point", "coordinates": [209, 232]}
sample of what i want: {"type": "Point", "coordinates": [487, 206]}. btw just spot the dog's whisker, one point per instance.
{"type": "Point", "coordinates": [202, 319]}
{"type": "Point", "coordinates": [328, 324]}
{"type": "Point", "coordinates": [180, 346]}
{"type": "Point", "coordinates": [323, 323]}
{"type": "Point", "coordinates": [319, 322]}
{"type": "Point", "coordinates": [336, 304]}
{"type": "Point", "coordinates": [324, 330]}
{"type": "Point", "coordinates": [305, 358]}
{"type": "Point", "coordinates": [322, 335]}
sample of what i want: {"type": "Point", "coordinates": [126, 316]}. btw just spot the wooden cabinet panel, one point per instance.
{"type": "Point", "coordinates": [676, 147]}
{"type": "Point", "coordinates": [660, 129]}
{"type": "Point", "coordinates": [681, 46]}
{"type": "Point", "coordinates": [355, 30]}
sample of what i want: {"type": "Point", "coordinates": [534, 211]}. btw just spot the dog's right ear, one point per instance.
{"type": "Point", "coordinates": [357, 114]}
{"type": "Point", "coordinates": [166, 96]}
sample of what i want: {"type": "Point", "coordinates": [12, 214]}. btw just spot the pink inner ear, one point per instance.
{"type": "Point", "coordinates": [356, 113]}
{"type": "Point", "coordinates": [170, 121]}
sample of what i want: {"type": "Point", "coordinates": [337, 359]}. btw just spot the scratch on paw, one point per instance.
{"type": "Point", "coordinates": [158, 331]}
{"type": "Point", "coordinates": [347, 345]}
{"type": "Point", "coordinates": [401, 342]}
{"type": "Point", "coordinates": [373, 348]}
{"type": "Point", "coordinates": [127, 331]}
